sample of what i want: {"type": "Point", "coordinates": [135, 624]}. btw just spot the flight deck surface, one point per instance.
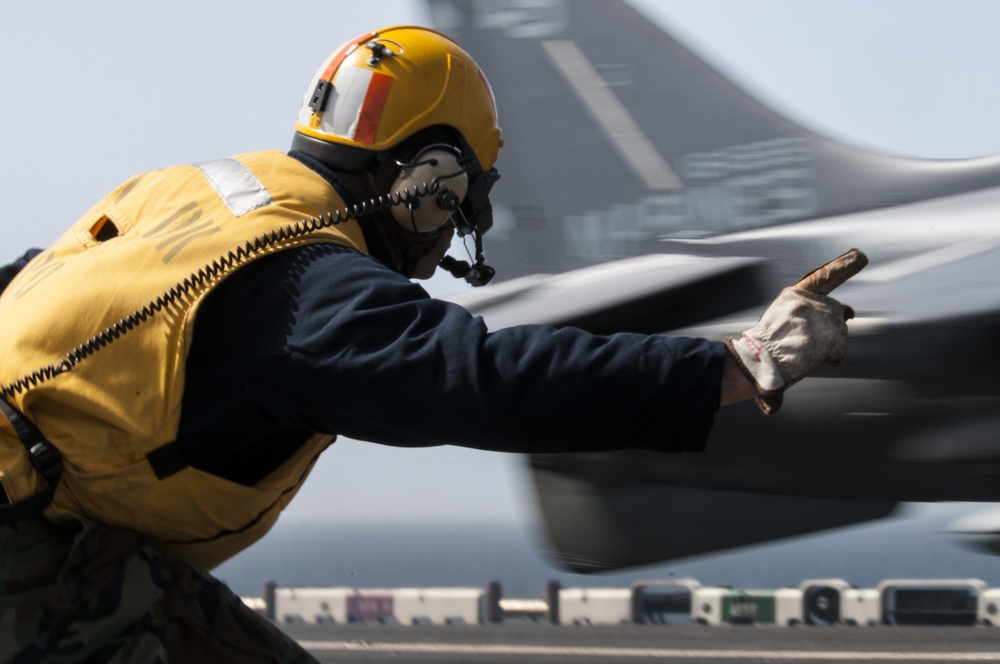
{"type": "Point", "coordinates": [672, 643]}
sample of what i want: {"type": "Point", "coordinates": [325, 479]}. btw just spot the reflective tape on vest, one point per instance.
{"type": "Point", "coordinates": [240, 189]}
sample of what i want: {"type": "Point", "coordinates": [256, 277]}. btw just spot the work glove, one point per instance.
{"type": "Point", "coordinates": [801, 330]}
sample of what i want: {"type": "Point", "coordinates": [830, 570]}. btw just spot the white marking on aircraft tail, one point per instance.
{"type": "Point", "coordinates": [619, 125]}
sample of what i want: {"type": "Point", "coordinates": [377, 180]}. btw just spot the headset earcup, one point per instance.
{"type": "Point", "coordinates": [429, 213]}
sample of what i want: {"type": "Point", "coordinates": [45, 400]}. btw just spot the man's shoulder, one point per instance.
{"type": "Point", "coordinates": [313, 267]}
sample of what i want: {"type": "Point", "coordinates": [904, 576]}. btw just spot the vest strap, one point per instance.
{"type": "Point", "coordinates": [166, 460]}
{"type": "Point", "coordinates": [43, 456]}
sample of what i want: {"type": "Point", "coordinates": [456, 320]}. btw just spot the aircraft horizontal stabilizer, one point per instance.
{"type": "Point", "coordinates": [649, 294]}
{"type": "Point", "coordinates": [602, 525]}
{"type": "Point", "coordinates": [978, 531]}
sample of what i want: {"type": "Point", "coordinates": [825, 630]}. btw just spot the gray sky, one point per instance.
{"type": "Point", "coordinates": [95, 92]}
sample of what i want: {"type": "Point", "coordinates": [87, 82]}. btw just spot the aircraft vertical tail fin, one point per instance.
{"type": "Point", "coordinates": [617, 136]}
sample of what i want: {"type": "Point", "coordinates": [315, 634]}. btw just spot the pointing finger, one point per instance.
{"type": "Point", "coordinates": [824, 279]}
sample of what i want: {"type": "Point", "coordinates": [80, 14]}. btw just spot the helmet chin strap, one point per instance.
{"type": "Point", "coordinates": [415, 251]}
{"type": "Point", "coordinates": [476, 272]}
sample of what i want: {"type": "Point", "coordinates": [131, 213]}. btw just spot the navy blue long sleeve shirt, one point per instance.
{"type": "Point", "coordinates": [326, 339]}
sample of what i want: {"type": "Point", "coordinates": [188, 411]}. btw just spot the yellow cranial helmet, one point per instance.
{"type": "Point", "coordinates": [381, 88]}
{"type": "Point", "coordinates": [409, 99]}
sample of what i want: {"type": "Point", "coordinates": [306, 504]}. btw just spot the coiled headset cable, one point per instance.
{"type": "Point", "coordinates": [197, 281]}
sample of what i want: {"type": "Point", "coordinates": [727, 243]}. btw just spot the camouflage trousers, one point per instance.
{"type": "Point", "coordinates": [79, 591]}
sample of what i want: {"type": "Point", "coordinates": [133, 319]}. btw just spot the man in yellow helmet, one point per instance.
{"type": "Point", "coordinates": [172, 366]}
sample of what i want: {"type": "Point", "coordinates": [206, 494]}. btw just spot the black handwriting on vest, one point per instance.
{"type": "Point", "coordinates": [33, 274]}
{"type": "Point", "coordinates": [179, 229]}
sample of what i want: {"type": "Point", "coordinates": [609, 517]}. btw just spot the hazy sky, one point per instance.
{"type": "Point", "coordinates": [95, 92]}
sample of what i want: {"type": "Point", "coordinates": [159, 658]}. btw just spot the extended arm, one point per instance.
{"type": "Point", "coordinates": [339, 344]}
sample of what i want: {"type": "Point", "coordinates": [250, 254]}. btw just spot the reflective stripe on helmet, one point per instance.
{"type": "Point", "coordinates": [332, 65]}
{"type": "Point", "coordinates": [371, 110]}
{"type": "Point", "coordinates": [355, 104]}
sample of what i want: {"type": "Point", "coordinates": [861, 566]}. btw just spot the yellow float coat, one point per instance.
{"type": "Point", "coordinates": [133, 271]}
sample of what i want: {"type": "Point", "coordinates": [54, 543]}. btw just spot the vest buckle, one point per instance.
{"type": "Point", "coordinates": [46, 459]}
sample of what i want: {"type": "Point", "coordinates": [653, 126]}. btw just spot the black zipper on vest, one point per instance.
{"type": "Point", "coordinates": [43, 455]}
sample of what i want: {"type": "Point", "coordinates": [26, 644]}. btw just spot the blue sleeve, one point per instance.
{"type": "Point", "coordinates": [327, 339]}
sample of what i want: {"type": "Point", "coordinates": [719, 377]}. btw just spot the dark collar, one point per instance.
{"type": "Point", "coordinates": [377, 247]}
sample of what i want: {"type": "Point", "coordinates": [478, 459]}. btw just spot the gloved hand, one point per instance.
{"type": "Point", "coordinates": [802, 329]}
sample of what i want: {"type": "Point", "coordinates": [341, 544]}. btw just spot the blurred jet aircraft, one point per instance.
{"type": "Point", "coordinates": [643, 191]}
